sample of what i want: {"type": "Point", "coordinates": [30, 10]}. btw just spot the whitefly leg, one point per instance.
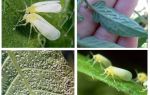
{"type": "Point", "coordinates": [18, 25]}
{"type": "Point", "coordinates": [41, 40]}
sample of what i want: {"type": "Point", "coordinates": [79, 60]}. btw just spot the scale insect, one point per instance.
{"type": "Point", "coordinates": [100, 59]}
{"type": "Point", "coordinates": [118, 73]}
{"type": "Point", "coordinates": [38, 22]}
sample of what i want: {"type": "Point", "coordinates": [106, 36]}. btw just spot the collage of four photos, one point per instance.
{"type": "Point", "coordinates": [74, 47]}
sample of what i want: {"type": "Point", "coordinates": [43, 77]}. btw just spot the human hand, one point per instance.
{"type": "Point", "coordinates": [88, 27]}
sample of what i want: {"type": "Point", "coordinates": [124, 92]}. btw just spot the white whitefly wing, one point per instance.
{"type": "Point", "coordinates": [48, 6]}
{"type": "Point", "coordinates": [45, 28]}
{"type": "Point", "coordinates": [122, 73]}
{"type": "Point", "coordinates": [45, 2]}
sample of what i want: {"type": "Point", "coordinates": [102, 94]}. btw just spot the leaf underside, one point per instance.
{"type": "Point", "coordinates": [46, 72]}
{"type": "Point", "coordinates": [115, 22]}
{"type": "Point", "coordinates": [130, 88]}
{"type": "Point", "coordinates": [93, 42]}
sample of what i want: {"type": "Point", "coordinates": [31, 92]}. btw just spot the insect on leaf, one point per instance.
{"type": "Point", "coordinates": [12, 13]}
{"type": "Point", "coordinates": [128, 87]}
{"type": "Point", "coordinates": [115, 22]}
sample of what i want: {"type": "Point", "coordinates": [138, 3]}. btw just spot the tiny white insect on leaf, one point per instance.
{"type": "Point", "coordinates": [100, 59]}
{"type": "Point", "coordinates": [45, 28]}
{"type": "Point", "coordinates": [38, 22]}
{"type": "Point", "coordinates": [119, 73]}
{"type": "Point", "coordinates": [141, 77]}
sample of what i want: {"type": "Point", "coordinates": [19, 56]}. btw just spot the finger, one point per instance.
{"type": "Point", "coordinates": [129, 42]}
{"type": "Point", "coordinates": [87, 26]}
{"type": "Point", "coordinates": [127, 7]}
{"type": "Point", "coordinates": [101, 32]}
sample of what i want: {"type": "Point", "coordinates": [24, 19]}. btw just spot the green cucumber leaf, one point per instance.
{"type": "Point", "coordinates": [141, 41]}
{"type": "Point", "coordinates": [36, 73]}
{"type": "Point", "coordinates": [93, 42]}
{"type": "Point", "coordinates": [115, 22]}
{"type": "Point", "coordinates": [85, 66]}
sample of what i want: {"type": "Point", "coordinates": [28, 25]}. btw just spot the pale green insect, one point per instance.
{"type": "Point", "coordinates": [118, 73]}
{"type": "Point", "coordinates": [100, 59]}
{"type": "Point", "coordinates": [141, 77]}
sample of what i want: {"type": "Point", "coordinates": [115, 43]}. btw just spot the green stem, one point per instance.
{"type": "Point", "coordinates": [67, 2]}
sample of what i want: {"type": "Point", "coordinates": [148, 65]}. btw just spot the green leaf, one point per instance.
{"type": "Point", "coordinates": [141, 41]}
{"type": "Point", "coordinates": [93, 42]}
{"type": "Point", "coordinates": [36, 73]}
{"type": "Point", "coordinates": [115, 22]}
{"type": "Point", "coordinates": [63, 21]}
{"type": "Point", "coordinates": [129, 87]}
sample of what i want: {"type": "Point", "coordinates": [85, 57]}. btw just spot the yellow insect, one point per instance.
{"type": "Point", "coordinates": [118, 73]}
{"type": "Point", "coordinates": [103, 61]}
{"type": "Point", "coordinates": [141, 77]}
